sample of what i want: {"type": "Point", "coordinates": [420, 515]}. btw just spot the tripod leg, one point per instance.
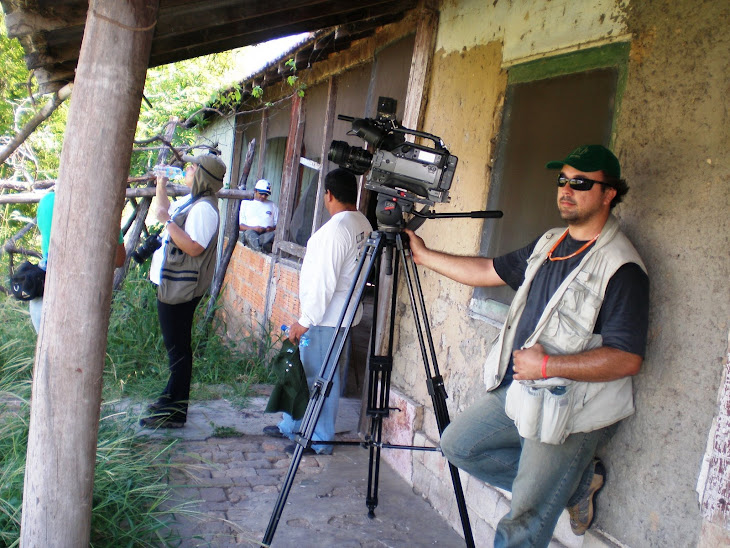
{"type": "Point", "coordinates": [435, 382]}
{"type": "Point", "coordinates": [323, 383]}
{"type": "Point", "coordinates": [380, 368]}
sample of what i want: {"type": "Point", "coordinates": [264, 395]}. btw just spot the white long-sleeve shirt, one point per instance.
{"type": "Point", "coordinates": [329, 267]}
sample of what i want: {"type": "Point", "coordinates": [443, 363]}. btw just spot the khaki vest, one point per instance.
{"type": "Point", "coordinates": [184, 277]}
{"type": "Point", "coordinates": [551, 409]}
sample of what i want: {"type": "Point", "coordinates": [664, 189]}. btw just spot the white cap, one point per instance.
{"type": "Point", "coordinates": [263, 186]}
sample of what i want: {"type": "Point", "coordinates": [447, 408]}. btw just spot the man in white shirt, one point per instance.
{"type": "Point", "coordinates": [258, 217]}
{"type": "Point", "coordinates": [328, 271]}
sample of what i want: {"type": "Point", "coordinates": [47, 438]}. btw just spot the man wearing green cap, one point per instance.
{"type": "Point", "coordinates": [558, 377]}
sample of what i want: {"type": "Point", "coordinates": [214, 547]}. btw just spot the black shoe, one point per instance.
{"type": "Point", "coordinates": [292, 447]}
{"type": "Point", "coordinates": [273, 431]}
{"type": "Point", "coordinates": [161, 421]}
{"type": "Point", "coordinates": [159, 405]}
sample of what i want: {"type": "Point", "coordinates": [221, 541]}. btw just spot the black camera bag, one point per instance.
{"type": "Point", "coordinates": [28, 281]}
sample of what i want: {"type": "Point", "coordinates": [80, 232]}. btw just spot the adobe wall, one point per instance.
{"type": "Point", "coordinates": [672, 136]}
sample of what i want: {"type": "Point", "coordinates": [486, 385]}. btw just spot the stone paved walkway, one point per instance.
{"type": "Point", "coordinates": [232, 484]}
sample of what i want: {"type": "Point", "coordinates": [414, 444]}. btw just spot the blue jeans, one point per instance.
{"type": "Point", "coordinates": [258, 242]}
{"type": "Point", "coordinates": [312, 357]}
{"type": "Point", "coordinates": [543, 478]}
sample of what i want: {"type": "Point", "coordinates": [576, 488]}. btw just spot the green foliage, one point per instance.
{"type": "Point", "coordinates": [13, 75]}
{"type": "Point", "coordinates": [293, 79]}
{"type": "Point", "coordinates": [37, 158]}
{"type": "Point", "coordinates": [180, 90]}
{"type": "Point", "coordinates": [131, 498]}
{"type": "Point", "coordinates": [226, 432]}
{"type": "Point", "coordinates": [13, 217]}
{"type": "Point", "coordinates": [137, 360]}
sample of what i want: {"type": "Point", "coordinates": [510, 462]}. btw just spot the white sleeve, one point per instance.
{"type": "Point", "coordinates": [243, 213]}
{"type": "Point", "coordinates": [276, 215]}
{"type": "Point", "coordinates": [202, 223]}
{"type": "Point", "coordinates": [318, 277]}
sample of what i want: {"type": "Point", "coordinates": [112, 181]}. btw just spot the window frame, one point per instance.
{"type": "Point", "coordinates": [610, 56]}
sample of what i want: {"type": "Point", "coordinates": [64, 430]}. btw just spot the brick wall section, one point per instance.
{"type": "Point", "coordinates": [285, 310]}
{"type": "Point", "coordinates": [242, 301]}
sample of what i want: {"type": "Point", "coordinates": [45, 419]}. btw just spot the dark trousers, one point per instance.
{"type": "Point", "coordinates": [176, 323]}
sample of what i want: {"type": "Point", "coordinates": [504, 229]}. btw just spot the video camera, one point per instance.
{"type": "Point", "coordinates": [403, 173]}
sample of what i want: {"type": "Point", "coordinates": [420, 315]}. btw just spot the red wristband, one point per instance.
{"type": "Point", "coordinates": [544, 366]}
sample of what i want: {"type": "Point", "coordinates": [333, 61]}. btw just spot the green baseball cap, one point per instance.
{"type": "Point", "coordinates": [590, 158]}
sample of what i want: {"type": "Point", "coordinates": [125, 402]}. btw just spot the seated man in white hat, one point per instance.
{"type": "Point", "coordinates": [258, 218]}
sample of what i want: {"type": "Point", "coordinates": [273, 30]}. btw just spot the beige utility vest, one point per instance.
{"type": "Point", "coordinates": [549, 410]}
{"type": "Point", "coordinates": [184, 277]}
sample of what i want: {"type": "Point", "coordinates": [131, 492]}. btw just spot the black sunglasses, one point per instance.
{"type": "Point", "coordinates": [579, 183]}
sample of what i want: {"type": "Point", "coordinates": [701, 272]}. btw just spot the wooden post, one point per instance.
{"type": "Point", "coordinates": [291, 169]}
{"type": "Point", "coordinates": [420, 76]}
{"type": "Point", "coordinates": [329, 122]}
{"type": "Point", "coordinates": [231, 228]}
{"type": "Point", "coordinates": [263, 144]}
{"type": "Point", "coordinates": [67, 376]}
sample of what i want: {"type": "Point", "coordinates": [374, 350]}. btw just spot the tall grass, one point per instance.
{"type": "Point", "coordinates": [136, 357]}
{"type": "Point", "coordinates": [131, 498]}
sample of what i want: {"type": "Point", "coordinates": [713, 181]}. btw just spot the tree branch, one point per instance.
{"type": "Point", "coordinates": [59, 97]}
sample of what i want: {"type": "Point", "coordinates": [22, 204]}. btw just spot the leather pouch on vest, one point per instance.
{"type": "Point", "coordinates": [544, 412]}
{"type": "Point", "coordinates": [178, 281]}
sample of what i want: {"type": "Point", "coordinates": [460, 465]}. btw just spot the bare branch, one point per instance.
{"type": "Point", "coordinates": [9, 246]}
{"type": "Point", "coordinates": [59, 97]}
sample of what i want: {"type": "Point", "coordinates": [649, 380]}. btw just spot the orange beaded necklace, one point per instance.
{"type": "Point", "coordinates": [576, 252]}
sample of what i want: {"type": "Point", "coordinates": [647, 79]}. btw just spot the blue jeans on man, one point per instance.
{"type": "Point", "coordinates": [258, 242]}
{"type": "Point", "coordinates": [543, 478]}
{"type": "Point", "coordinates": [312, 357]}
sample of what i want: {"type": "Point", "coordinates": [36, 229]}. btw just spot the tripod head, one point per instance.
{"type": "Point", "coordinates": [392, 207]}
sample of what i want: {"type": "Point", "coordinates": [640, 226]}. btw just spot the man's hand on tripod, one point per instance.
{"type": "Point", "coordinates": [474, 271]}
{"type": "Point", "coordinates": [296, 331]}
{"type": "Point", "coordinates": [417, 245]}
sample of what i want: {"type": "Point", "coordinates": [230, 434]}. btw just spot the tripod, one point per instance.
{"type": "Point", "coordinates": [378, 254]}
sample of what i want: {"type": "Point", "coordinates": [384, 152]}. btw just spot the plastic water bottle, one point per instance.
{"type": "Point", "coordinates": [303, 340]}
{"type": "Point", "coordinates": [171, 172]}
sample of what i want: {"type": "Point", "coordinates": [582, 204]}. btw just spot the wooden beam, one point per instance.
{"type": "Point", "coordinates": [51, 34]}
{"type": "Point", "coordinates": [231, 231]}
{"type": "Point", "coordinates": [264, 134]}
{"type": "Point", "coordinates": [329, 122]}
{"type": "Point", "coordinates": [291, 168]}
{"type": "Point", "coordinates": [23, 23]}
{"type": "Point", "coordinates": [233, 33]}
{"type": "Point", "coordinates": [291, 248]}
{"type": "Point", "coordinates": [71, 348]}
{"type": "Point", "coordinates": [421, 63]}
{"type": "Point", "coordinates": [140, 192]}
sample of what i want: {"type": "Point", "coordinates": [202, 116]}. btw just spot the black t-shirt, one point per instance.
{"type": "Point", "coordinates": [624, 316]}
